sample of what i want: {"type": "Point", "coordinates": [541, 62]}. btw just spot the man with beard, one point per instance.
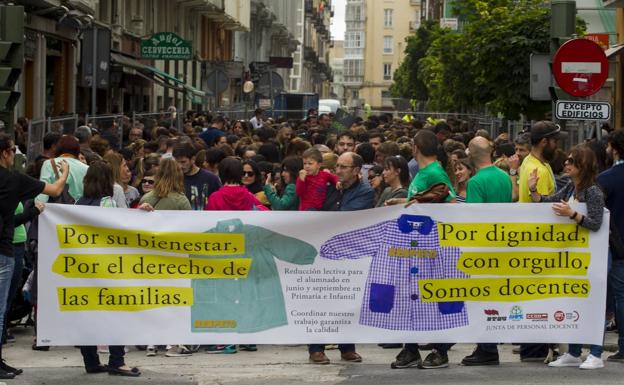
{"type": "Point", "coordinates": [198, 183]}
{"type": "Point", "coordinates": [544, 142]}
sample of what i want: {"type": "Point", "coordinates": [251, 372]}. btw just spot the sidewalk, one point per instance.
{"type": "Point", "coordinates": [283, 365]}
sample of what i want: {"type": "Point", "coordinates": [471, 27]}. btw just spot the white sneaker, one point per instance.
{"type": "Point", "coordinates": [178, 351]}
{"type": "Point", "coordinates": [151, 351]}
{"type": "Point", "coordinates": [566, 360]}
{"type": "Point", "coordinates": [592, 362]}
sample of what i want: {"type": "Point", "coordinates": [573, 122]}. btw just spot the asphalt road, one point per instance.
{"type": "Point", "coordinates": [277, 365]}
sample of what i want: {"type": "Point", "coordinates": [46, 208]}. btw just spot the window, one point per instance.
{"type": "Point", "coordinates": [388, 44]}
{"type": "Point", "coordinates": [353, 68]}
{"type": "Point", "coordinates": [388, 17]}
{"type": "Point", "coordinates": [354, 13]}
{"type": "Point", "coordinates": [354, 40]}
{"type": "Point", "coordinates": [387, 71]}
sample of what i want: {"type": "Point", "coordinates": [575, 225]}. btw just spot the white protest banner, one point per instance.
{"type": "Point", "coordinates": [427, 273]}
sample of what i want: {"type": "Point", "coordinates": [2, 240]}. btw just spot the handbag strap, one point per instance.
{"type": "Point", "coordinates": [54, 168]}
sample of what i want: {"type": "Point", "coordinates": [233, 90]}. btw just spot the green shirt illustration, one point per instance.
{"type": "Point", "coordinates": [255, 303]}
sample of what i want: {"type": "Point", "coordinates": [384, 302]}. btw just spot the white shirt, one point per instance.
{"type": "Point", "coordinates": [256, 123]}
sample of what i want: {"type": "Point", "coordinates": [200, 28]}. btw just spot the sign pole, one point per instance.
{"type": "Point", "coordinates": [94, 74]}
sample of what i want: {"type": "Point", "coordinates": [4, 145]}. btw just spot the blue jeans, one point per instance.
{"type": "Point", "coordinates": [616, 283]}
{"type": "Point", "coordinates": [7, 265]}
{"type": "Point", "coordinates": [16, 280]}
{"type": "Point", "coordinates": [594, 350]}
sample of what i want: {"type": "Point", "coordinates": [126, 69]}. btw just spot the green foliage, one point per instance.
{"type": "Point", "coordinates": [407, 82]}
{"type": "Point", "coordinates": [487, 65]}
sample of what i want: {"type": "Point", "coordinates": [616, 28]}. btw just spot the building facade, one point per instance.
{"type": "Point", "coordinates": [336, 59]}
{"type": "Point", "coordinates": [225, 35]}
{"type": "Point", "coordinates": [374, 48]}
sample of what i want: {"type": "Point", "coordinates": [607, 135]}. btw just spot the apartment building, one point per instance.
{"type": "Point", "coordinates": [374, 43]}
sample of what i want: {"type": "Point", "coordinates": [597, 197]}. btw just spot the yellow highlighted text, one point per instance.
{"type": "Point", "coordinates": [524, 263]}
{"type": "Point", "coordinates": [122, 298]}
{"type": "Point", "coordinates": [140, 266]}
{"type": "Point", "coordinates": [550, 235]}
{"type": "Point", "coordinates": [501, 289]}
{"type": "Point", "coordinates": [81, 236]}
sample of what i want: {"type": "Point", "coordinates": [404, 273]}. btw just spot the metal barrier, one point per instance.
{"type": "Point", "coordinates": [246, 114]}
{"type": "Point", "coordinates": [62, 124]}
{"type": "Point", "coordinates": [176, 121]}
{"type": "Point", "coordinates": [109, 126]}
{"type": "Point", "coordinates": [36, 131]}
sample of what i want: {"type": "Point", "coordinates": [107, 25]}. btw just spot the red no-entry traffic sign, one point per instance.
{"type": "Point", "coordinates": [580, 67]}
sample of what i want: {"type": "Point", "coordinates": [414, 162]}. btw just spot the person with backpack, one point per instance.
{"type": "Point", "coordinates": [98, 191]}
{"type": "Point", "coordinates": [67, 149]}
{"type": "Point", "coordinates": [15, 188]}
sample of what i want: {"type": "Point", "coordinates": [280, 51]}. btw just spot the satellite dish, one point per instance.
{"type": "Point", "coordinates": [248, 86]}
{"type": "Point", "coordinates": [270, 80]}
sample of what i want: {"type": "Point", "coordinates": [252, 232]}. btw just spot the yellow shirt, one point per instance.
{"type": "Point", "coordinates": [545, 183]}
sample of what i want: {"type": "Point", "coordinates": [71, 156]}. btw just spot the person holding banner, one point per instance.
{"type": "Point", "coordinates": [352, 196]}
{"type": "Point", "coordinates": [582, 168]}
{"type": "Point", "coordinates": [431, 173]}
{"type": "Point", "coordinates": [98, 191]}
{"type": "Point", "coordinates": [611, 181]}
{"type": "Point", "coordinates": [544, 143]}
{"type": "Point", "coordinates": [15, 188]}
{"type": "Point", "coordinates": [489, 185]}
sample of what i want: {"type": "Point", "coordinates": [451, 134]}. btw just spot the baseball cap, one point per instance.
{"type": "Point", "coordinates": [544, 129]}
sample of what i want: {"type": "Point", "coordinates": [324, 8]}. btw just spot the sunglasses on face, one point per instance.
{"type": "Point", "coordinates": [148, 181]}
{"type": "Point", "coordinates": [371, 177]}
{"type": "Point", "coordinates": [569, 161]}
{"type": "Point", "coordinates": [249, 173]}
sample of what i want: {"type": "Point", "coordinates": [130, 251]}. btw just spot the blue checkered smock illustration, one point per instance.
{"type": "Point", "coordinates": [403, 252]}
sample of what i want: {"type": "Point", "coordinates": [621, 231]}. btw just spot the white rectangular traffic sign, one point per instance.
{"type": "Point", "coordinates": [581, 110]}
{"type": "Point", "coordinates": [581, 67]}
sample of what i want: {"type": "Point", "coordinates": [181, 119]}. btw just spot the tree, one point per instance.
{"type": "Point", "coordinates": [487, 65]}
{"type": "Point", "coordinates": [407, 81]}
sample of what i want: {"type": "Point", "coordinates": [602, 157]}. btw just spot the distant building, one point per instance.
{"type": "Point", "coordinates": [336, 58]}
{"type": "Point", "coordinates": [374, 48]}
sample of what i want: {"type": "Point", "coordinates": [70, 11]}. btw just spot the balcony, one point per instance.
{"type": "Point", "coordinates": [353, 80]}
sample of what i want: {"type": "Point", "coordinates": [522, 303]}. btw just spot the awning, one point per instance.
{"type": "Point", "coordinates": [159, 77]}
{"type": "Point", "coordinates": [613, 50]}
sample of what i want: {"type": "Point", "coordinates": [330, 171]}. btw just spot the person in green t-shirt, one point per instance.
{"type": "Point", "coordinates": [431, 171]}
{"type": "Point", "coordinates": [425, 150]}
{"type": "Point", "coordinates": [490, 184]}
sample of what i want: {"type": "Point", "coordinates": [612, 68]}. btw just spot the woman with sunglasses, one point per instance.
{"type": "Point", "coordinates": [582, 168]}
{"type": "Point", "coordinates": [251, 177]}
{"type": "Point", "coordinates": [376, 180]}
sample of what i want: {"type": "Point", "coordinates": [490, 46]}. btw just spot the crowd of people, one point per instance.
{"type": "Point", "coordinates": [214, 163]}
